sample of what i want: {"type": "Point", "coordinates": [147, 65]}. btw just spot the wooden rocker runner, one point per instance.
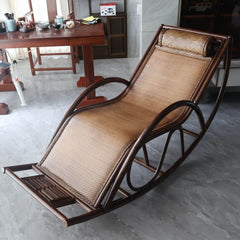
{"type": "Point", "coordinates": [91, 157]}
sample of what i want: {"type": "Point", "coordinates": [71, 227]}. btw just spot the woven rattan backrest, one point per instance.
{"type": "Point", "coordinates": [173, 71]}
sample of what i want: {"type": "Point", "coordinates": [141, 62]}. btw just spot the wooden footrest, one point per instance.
{"type": "Point", "coordinates": [52, 193]}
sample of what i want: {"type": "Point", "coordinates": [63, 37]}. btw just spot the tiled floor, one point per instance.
{"type": "Point", "coordinates": [199, 201]}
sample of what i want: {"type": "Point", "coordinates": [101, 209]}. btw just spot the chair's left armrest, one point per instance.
{"type": "Point", "coordinates": [93, 87]}
{"type": "Point", "coordinates": [88, 90]}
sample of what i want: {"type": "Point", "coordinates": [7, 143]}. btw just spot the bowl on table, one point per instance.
{"type": "Point", "coordinates": [43, 25]}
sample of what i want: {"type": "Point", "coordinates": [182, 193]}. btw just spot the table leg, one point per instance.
{"type": "Point", "coordinates": [73, 58]}
{"type": "Point", "coordinates": [89, 77]}
{"type": "Point", "coordinates": [82, 81]}
{"type": "Point", "coordinates": [4, 109]}
{"type": "Point", "coordinates": [31, 61]}
{"type": "Point", "coordinates": [39, 56]}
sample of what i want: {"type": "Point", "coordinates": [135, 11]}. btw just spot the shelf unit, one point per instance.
{"type": "Point", "coordinates": [115, 45]}
{"type": "Point", "coordinates": [216, 16]}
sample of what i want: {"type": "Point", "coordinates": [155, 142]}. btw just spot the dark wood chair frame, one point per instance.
{"type": "Point", "coordinates": [107, 200]}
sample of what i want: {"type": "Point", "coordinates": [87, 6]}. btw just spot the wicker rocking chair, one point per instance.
{"type": "Point", "coordinates": [90, 159]}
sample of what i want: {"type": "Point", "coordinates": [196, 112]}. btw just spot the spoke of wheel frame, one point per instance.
{"type": "Point", "coordinates": [145, 154]}
{"type": "Point", "coordinates": [182, 141]}
{"type": "Point", "coordinates": [164, 151]}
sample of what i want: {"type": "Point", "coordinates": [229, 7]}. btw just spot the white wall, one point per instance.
{"type": "Point", "coordinates": [143, 26]}
{"type": "Point", "coordinates": [134, 27]}
{"type": "Point", "coordinates": [9, 6]}
{"type": "Point", "coordinates": [155, 13]}
{"type": "Point", "coordinates": [5, 7]}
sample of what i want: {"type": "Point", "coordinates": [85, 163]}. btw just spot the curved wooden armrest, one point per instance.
{"type": "Point", "coordinates": [93, 87]}
{"type": "Point", "coordinates": [183, 103]}
{"type": "Point", "coordinates": [84, 94]}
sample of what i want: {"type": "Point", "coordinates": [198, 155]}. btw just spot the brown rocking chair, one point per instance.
{"type": "Point", "coordinates": [91, 157]}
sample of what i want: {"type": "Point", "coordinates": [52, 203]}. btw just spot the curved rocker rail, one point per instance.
{"type": "Point", "coordinates": [148, 134]}
{"type": "Point", "coordinates": [53, 196]}
{"type": "Point", "coordinates": [158, 175]}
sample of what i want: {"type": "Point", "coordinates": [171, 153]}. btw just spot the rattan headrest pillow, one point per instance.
{"type": "Point", "coordinates": [186, 41]}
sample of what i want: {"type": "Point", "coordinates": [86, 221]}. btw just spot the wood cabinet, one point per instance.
{"type": "Point", "coordinates": [115, 45]}
{"type": "Point", "coordinates": [217, 16]}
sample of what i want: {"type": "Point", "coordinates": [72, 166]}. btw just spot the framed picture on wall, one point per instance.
{"type": "Point", "coordinates": [108, 9]}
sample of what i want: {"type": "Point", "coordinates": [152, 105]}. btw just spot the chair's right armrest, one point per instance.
{"type": "Point", "coordinates": [182, 103]}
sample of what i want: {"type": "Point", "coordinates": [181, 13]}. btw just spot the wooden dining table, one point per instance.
{"type": "Point", "coordinates": [81, 35]}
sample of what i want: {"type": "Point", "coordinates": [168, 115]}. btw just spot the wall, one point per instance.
{"type": "Point", "coordinates": [142, 25]}
{"type": "Point", "coordinates": [81, 8]}
{"type": "Point", "coordinates": [155, 13]}
{"type": "Point", "coordinates": [134, 27]}
{"type": "Point", "coordinates": [5, 7]}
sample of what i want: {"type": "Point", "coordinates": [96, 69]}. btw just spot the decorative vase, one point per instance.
{"type": "Point", "coordinates": [11, 25]}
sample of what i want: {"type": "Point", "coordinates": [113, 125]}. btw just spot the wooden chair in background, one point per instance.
{"type": "Point", "coordinates": [5, 81]}
{"type": "Point", "coordinates": [52, 13]}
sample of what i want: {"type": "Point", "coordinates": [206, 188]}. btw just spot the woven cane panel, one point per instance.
{"type": "Point", "coordinates": [92, 143]}
{"type": "Point", "coordinates": [185, 41]}
{"type": "Point", "coordinates": [167, 78]}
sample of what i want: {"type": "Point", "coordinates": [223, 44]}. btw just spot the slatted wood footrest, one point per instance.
{"type": "Point", "coordinates": [52, 193]}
